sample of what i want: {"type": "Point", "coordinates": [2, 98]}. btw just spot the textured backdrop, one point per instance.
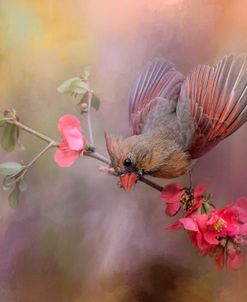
{"type": "Point", "coordinates": [76, 236]}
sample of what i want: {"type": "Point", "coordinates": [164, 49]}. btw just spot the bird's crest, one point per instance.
{"type": "Point", "coordinates": [113, 148]}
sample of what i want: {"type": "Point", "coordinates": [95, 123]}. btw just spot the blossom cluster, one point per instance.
{"type": "Point", "coordinates": [219, 233]}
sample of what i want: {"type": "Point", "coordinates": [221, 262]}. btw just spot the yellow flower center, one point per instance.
{"type": "Point", "coordinates": [220, 224]}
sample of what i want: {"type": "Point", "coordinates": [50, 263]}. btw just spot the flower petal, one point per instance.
{"type": "Point", "coordinates": [74, 138]}
{"type": "Point", "coordinates": [172, 208]}
{"type": "Point", "coordinates": [234, 260]}
{"type": "Point", "coordinates": [201, 220]}
{"type": "Point", "coordinates": [241, 205]}
{"type": "Point", "coordinates": [172, 193]}
{"type": "Point", "coordinates": [174, 226]}
{"type": "Point", "coordinates": [68, 120]}
{"type": "Point", "coordinates": [65, 158]}
{"type": "Point", "coordinates": [210, 237]}
{"type": "Point", "coordinates": [189, 224]}
{"type": "Point", "coordinates": [243, 229]}
{"type": "Point", "coordinates": [200, 190]}
{"type": "Point", "coordinates": [219, 258]}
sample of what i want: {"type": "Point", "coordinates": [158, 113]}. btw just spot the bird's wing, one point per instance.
{"type": "Point", "coordinates": [158, 79]}
{"type": "Point", "coordinates": [217, 97]}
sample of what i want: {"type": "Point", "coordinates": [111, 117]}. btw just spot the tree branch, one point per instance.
{"type": "Point", "coordinates": [49, 140]}
{"type": "Point", "coordinates": [39, 155]}
{"type": "Point", "coordinates": [89, 122]}
{"type": "Point", "coordinates": [152, 184]}
{"type": "Point", "coordinates": [98, 156]}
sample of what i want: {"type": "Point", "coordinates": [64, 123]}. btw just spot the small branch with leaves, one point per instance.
{"type": "Point", "coordinates": [15, 172]}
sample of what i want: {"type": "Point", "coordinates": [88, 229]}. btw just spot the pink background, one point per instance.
{"type": "Point", "coordinates": [76, 236]}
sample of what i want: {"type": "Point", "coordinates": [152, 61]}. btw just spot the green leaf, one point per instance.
{"type": "Point", "coordinates": [9, 137]}
{"type": "Point", "coordinates": [83, 104]}
{"type": "Point", "coordinates": [10, 168]}
{"type": "Point", "coordinates": [95, 103]}
{"type": "Point", "coordinates": [22, 185]}
{"type": "Point", "coordinates": [74, 85]}
{"type": "Point", "coordinates": [14, 197]}
{"type": "Point", "coordinates": [2, 121]}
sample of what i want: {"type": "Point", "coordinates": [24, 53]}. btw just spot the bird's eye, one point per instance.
{"type": "Point", "coordinates": [127, 162]}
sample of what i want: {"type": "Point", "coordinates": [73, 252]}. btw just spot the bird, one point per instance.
{"type": "Point", "coordinates": [176, 119]}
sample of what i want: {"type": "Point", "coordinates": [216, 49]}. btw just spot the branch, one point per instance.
{"type": "Point", "coordinates": [39, 155]}
{"type": "Point", "coordinates": [98, 156]}
{"type": "Point", "coordinates": [89, 122]}
{"type": "Point", "coordinates": [49, 140]}
{"type": "Point", "coordinates": [152, 184]}
{"type": "Point", "coordinates": [22, 173]}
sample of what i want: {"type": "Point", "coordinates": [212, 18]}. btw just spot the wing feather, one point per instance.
{"type": "Point", "coordinates": [159, 78]}
{"type": "Point", "coordinates": [218, 101]}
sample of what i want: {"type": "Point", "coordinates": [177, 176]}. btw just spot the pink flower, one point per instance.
{"type": "Point", "coordinates": [175, 196]}
{"type": "Point", "coordinates": [197, 199]}
{"type": "Point", "coordinates": [72, 143]}
{"type": "Point", "coordinates": [224, 222]}
{"type": "Point", "coordinates": [218, 254]}
{"type": "Point", "coordinates": [241, 205]}
{"type": "Point", "coordinates": [196, 227]}
{"type": "Point", "coordinates": [172, 194]}
{"type": "Point", "coordinates": [234, 258]}
{"type": "Point", "coordinates": [230, 221]}
{"type": "Point", "coordinates": [219, 233]}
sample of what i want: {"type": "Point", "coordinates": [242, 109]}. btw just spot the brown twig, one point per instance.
{"type": "Point", "coordinates": [152, 184]}
{"type": "Point", "coordinates": [98, 156]}
{"type": "Point", "coordinates": [43, 151]}
{"type": "Point", "coordinates": [49, 140]}
{"type": "Point", "coordinates": [89, 122]}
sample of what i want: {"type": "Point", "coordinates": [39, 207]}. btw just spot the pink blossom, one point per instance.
{"type": "Point", "coordinates": [196, 227]}
{"type": "Point", "coordinates": [200, 190]}
{"type": "Point", "coordinates": [218, 254]}
{"type": "Point", "coordinates": [231, 220]}
{"type": "Point", "coordinates": [219, 233]}
{"type": "Point", "coordinates": [172, 194]}
{"type": "Point", "coordinates": [197, 199]}
{"type": "Point", "coordinates": [234, 259]}
{"type": "Point", "coordinates": [72, 143]}
{"type": "Point", "coordinates": [241, 205]}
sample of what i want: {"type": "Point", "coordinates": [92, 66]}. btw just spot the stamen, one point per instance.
{"type": "Point", "coordinates": [220, 225]}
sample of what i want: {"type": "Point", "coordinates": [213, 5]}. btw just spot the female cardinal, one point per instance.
{"type": "Point", "coordinates": [176, 119]}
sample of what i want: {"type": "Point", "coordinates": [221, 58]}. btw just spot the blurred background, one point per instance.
{"type": "Point", "coordinates": [75, 235]}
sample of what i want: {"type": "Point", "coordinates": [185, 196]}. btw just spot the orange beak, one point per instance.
{"type": "Point", "coordinates": [128, 180]}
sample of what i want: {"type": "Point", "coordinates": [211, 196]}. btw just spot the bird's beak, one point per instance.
{"type": "Point", "coordinates": [128, 180]}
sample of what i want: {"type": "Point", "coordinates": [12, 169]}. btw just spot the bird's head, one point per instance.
{"type": "Point", "coordinates": [126, 159]}
{"type": "Point", "coordinates": [150, 154]}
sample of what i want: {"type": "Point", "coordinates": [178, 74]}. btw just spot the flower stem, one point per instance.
{"type": "Point", "coordinates": [98, 156]}
{"type": "Point", "coordinates": [89, 122]}
{"type": "Point", "coordinates": [50, 145]}
{"type": "Point", "coordinates": [51, 142]}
